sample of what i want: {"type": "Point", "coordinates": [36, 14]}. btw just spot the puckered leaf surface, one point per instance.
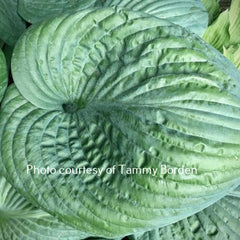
{"type": "Point", "coordinates": [190, 14]}
{"type": "Point", "coordinates": [187, 13]}
{"type": "Point", "coordinates": [217, 222]}
{"type": "Point", "coordinates": [105, 87]}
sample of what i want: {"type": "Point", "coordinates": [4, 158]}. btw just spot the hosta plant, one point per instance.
{"type": "Point", "coordinates": [105, 87]}
{"type": "Point", "coordinates": [121, 89]}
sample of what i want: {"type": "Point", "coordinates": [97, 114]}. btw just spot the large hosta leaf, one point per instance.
{"type": "Point", "coordinates": [3, 75]}
{"type": "Point", "coordinates": [106, 87]}
{"type": "Point", "coordinates": [11, 25]}
{"type": "Point", "coordinates": [187, 13]}
{"type": "Point", "coordinates": [20, 220]}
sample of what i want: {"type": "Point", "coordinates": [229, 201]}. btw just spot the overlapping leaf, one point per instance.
{"type": "Point", "coordinates": [11, 25]}
{"type": "Point", "coordinates": [217, 222]}
{"type": "Point", "coordinates": [37, 10]}
{"type": "Point", "coordinates": [105, 87]}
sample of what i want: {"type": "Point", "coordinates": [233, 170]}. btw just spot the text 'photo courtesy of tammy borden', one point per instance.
{"type": "Point", "coordinates": [122, 169]}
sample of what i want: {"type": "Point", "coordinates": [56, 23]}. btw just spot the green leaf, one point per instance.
{"type": "Point", "coordinates": [34, 11]}
{"type": "Point", "coordinates": [104, 87]}
{"type": "Point", "coordinates": [11, 25]}
{"type": "Point", "coordinates": [217, 33]}
{"type": "Point", "coordinates": [22, 221]}
{"type": "Point", "coordinates": [233, 54]}
{"type": "Point", "coordinates": [3, 75]}
{"type": "Point", "coordinates": [219, 221]}
{"type": "Point", "coordinates": [213, 8]}
{"type": "Point", "coordinates": [234, 20]}
{"type": "Point", "coordinates": [186, 13]}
